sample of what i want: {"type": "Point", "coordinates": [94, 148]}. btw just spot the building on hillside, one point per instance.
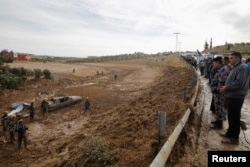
{"type": "Point", "coordinates": [18, 56]}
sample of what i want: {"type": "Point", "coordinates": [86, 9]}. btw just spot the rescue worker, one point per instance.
{"type": "Point", "coordinates": [218, 81]}
{"type": "Point", "coordinates": [44, 107]}
{"type": "Point", "coordinates": [11, 124]}
{"type": "Point", "coordinates": [87, 105]}
{"type": "Point", "coordinates": [5, 120]}
{"type": "Point", "coordinates": [31, 111]}
{"type": "Point", "coordinates": [21, 130]}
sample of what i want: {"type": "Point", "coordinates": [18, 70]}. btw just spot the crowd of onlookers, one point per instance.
{"type": "Point", "coordinates": [206, 69]}
{"type": "Point", "coordinates": [228, 78]}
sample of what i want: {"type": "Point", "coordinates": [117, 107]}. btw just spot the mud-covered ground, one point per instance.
{"type": "Point", "coordinates": [121, 130]}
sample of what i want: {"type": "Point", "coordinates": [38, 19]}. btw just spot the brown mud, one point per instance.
{"type": "Point", "coordinates": [123, 124]}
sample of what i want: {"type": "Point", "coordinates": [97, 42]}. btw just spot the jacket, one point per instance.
{"type": "Point", "coordinates": [237, 81]}
{"type": "Point", "coordinates": [219, 78]}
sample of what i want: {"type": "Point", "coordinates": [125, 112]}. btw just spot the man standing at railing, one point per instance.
{"type": "Point", "coordinates": [235, 90]}
{"type": "Point", "coordinates": [219, 98]}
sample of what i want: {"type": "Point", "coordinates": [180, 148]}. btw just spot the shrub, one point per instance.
{"type": "Point", "coordinates": [38, 73]}
{"type": "Point", "coordinates": [15, 71]}
{"type": "Point", "coordinates": [47, 74]}
{"type": "Point", "coordinates": [1, 63]}
{"type": "Point", "coordinates": [9, 81]}
{"type": "Point", "coordinates": [30, 72]}
{"type": "Point", "coordinates": [5, 68]}
{"type": "Point", "coordinates": [97, 149]}
{"type": "Point", "coordinates": [6, 60]}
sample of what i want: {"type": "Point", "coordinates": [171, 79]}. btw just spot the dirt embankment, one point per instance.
{"type": "Point", "coordinates": [121, 130]}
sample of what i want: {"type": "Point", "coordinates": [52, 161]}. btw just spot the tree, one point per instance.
{"type": "Point", "coordinates": [3, 52]}
{"type": "Point", "coordinates": [211, 43]}
{"type": "Point", "coordinates": [206, 45]}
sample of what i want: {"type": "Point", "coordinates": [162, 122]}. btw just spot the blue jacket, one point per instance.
{"type": "Point", "coordinates": [237, 82]}
{"type": "Point", "coordinates": [248, 64]}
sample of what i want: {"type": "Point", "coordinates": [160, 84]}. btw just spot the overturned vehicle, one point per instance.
{"type": "Point", "coordinates": [62, 101]}
{"type": "Point", "coordinates": [21, 109]}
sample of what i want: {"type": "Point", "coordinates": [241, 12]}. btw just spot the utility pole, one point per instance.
{"type": "Point", "coordinates": [176, 47]}
{"type": "Point", "coordinates": [179, 47]}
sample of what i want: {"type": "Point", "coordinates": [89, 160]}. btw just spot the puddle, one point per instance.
{"type": "Point", "coordinates": [75, 86]}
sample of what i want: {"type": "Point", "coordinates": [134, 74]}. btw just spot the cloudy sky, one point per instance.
{"type": "Point", "coordinates": [107, 27]}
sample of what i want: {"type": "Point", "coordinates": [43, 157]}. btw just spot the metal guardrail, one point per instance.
{"type": "Point", "coordinates": [165, 151]}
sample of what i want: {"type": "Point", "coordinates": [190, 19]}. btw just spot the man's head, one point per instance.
{"type": "Point", "coordinates": [5, 112]}
{"type": "Point", "coordinates": [235, 57]}
{"type": "Point", "coordinates": [217, 61]}
{"type": "Point", "coordinates": [20, 121]}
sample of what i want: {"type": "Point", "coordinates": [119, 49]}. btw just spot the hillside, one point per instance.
{"type": "Point", "coordinates": [243, 47]}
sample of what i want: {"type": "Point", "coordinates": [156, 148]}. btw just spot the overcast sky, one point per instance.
{"type": "Point", "coordinates": [107, 27]}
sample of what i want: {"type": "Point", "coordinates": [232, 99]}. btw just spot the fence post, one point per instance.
{"type": "Point", "coordinates": [185, 94]}
{"type": "Point", "coordinates": [161, 129]}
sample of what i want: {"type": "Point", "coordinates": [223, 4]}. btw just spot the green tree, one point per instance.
{"type": "Point", "coordinates": [206, 45]}
{"type": "Point", "coordinates": [3, 52]}
{"type": "Point", "coordinates": [229, 46]}
{"type": "Point", "coordinates": [211, 43]}
{"type": "Point", "coordinates": [47, 74]}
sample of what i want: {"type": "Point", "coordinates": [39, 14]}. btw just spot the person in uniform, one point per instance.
{"type": "Point", "coordinates": [44, 108]}
{"type": "Point", "coordinates": [31, 111]}
{"type": "Point", "coordinates": [87, 105]}
{"type": "Point", "coordinates": [12, 124]}
{"type": "Point", "coordinates": [218, 81]}
{"type": "Point", "coordinates": [21, 131]}
{"type": "Point", "coordinates": [5, 120]}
